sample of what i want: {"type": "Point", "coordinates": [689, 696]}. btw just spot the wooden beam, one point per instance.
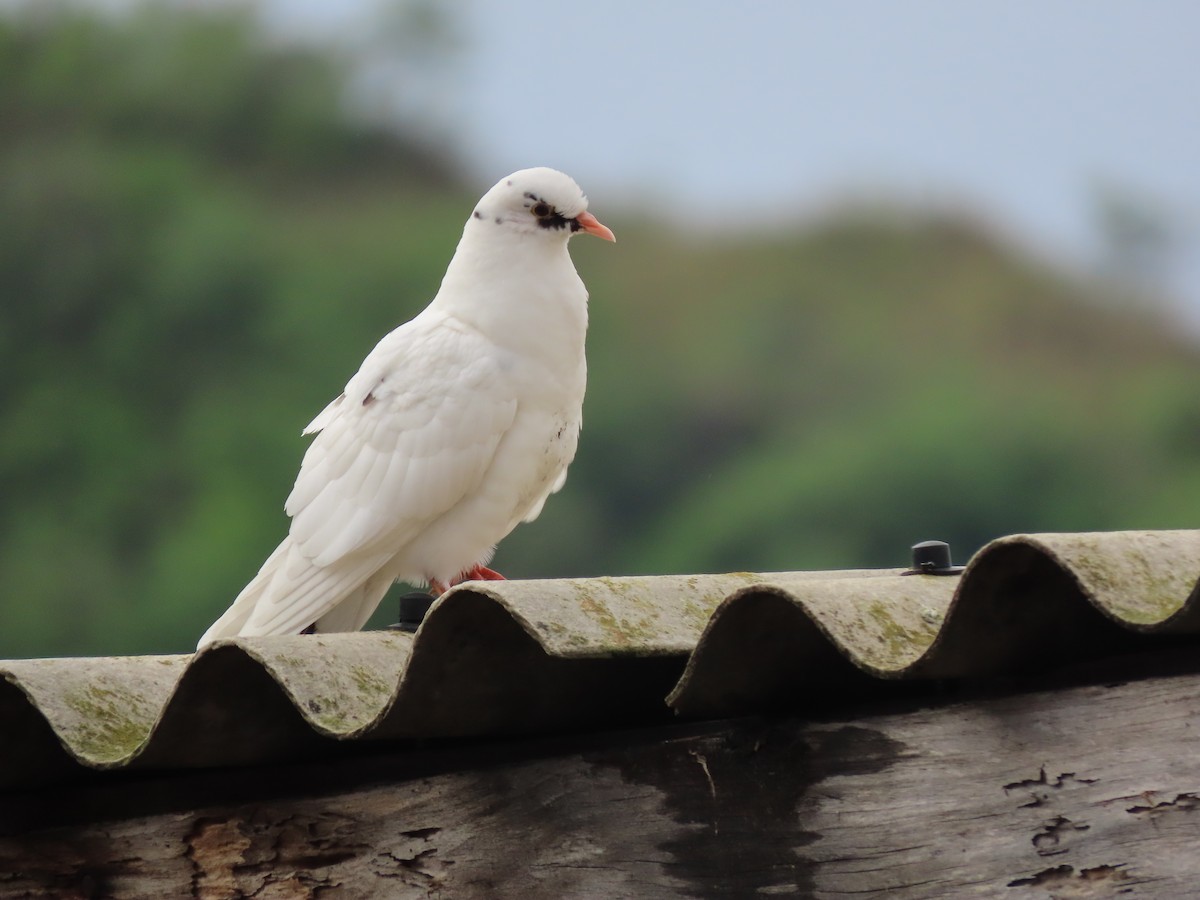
{"type": "Point", "coordinates": [1080, 792]}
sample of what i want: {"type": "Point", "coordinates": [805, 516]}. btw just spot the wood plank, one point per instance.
{"type": "Point", "coordinates": [1081, 792]}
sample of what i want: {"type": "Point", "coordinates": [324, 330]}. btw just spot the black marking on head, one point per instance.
{"type": "Point", "coordinates": [478, 214]}
{"type": "Point", "coordinates": [558, 221]}
{"type": "Point", "coordinates": [498, 220]}
{"type": "Point", "coordinates": [545, 213]}
{"type": "Point", "coordinates": [509, 182]}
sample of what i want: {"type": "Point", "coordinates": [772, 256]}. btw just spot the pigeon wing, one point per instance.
{"type": "Point", "coordinates": [414, 433]}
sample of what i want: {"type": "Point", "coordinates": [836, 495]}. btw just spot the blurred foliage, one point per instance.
{"type": "Point", "coordinates": [198, 246]}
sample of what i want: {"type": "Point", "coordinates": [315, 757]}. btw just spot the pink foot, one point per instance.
{"type": "Point", "coordinates": [481, 573]}
{"type": "Point", "coordinates": [475, 573]}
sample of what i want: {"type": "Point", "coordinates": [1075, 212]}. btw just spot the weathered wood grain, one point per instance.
{"type": "Point", "coordinates": [1081, 792]}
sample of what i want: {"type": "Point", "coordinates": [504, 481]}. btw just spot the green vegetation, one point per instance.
{"type": "Point", "coordinates": [197, 247]}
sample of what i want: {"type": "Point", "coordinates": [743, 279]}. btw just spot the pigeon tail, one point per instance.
{"type": "Point", "coordinates": [339, 598]}
{"type": "Point", "coordinates": [352, 613]}
{"type": "Point", "coordinates": [235, 618]}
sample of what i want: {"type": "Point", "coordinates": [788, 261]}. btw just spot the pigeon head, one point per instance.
{"type": "Point", "coordinates": [539, 201]}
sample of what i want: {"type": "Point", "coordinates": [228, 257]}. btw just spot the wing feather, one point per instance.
{"type": "Point", "coordinates": [378, 472]}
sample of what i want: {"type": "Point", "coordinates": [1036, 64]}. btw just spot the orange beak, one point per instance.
{"type": "Point", "coordinates": [590, 224]}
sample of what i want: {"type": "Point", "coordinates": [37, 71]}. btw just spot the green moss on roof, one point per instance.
{"type": "Point", "coordinates": [901, 645]}
{"type": "Point", "coordinates": [111, 722]}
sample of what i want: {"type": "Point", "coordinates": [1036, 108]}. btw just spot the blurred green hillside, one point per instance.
{"type": "Point", "coordinates": [198, 246]}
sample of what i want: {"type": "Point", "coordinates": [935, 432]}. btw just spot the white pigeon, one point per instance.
{"type": "Point", "coordinates": [457, 427]}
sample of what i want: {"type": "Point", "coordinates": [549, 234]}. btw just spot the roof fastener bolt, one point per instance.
{"type": "Point", "coordinates": [932, 558]}
{"type": "Point", "coordinates": [413, 607]}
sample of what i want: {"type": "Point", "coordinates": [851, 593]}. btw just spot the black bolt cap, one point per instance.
{"type": "Point", "coordinates": [413, 607]}
{"type": "Point", "coordinates": [932, 558]}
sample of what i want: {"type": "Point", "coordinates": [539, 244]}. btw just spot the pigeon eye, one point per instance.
{"type": "Point", "coordinates": [542, 209]}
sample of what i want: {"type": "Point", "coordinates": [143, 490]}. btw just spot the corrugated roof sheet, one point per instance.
{"type": "Point", "coordinates": [539, 656]}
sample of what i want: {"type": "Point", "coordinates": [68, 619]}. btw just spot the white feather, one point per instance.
{"type": "Point", "coordinates": [457, 426]}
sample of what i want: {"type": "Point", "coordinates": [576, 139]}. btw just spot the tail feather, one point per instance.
{"type": "Point", "coordinates": [352, 613]}
{"type": "Point", "coordinates": [235, 618]}
{"type": "Point", "coordinates": [289, 593]}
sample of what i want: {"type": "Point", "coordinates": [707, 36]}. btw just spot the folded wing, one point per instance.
{"type": "Point", "coordinates": [414, 434]}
